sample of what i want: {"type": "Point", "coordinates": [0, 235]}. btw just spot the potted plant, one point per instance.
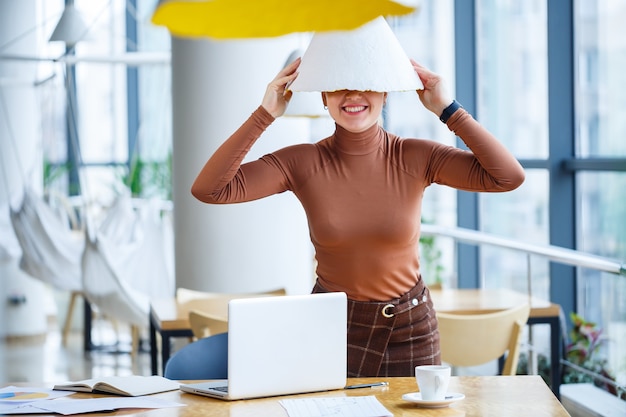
{"type": "Point", "coordinates": [583, 360]}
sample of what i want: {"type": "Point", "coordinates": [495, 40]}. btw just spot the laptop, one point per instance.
{"type": "Point", "coordinates": [282, 345]}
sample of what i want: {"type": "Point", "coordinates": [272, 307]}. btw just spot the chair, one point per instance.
{"type": "Point", "coordinates": [184, 295]}
{"type": "Point", "coordinates": [206, 358]}
{"type": "Point", "coordinates": [475, 339]}
{"type": "Point", "coordinates": [210, 309]}
{"type": "Point", "coordinates": [206, 324]}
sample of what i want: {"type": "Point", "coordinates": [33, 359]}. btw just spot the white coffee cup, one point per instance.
{"type": "Point", "coordinates": [433, 381]}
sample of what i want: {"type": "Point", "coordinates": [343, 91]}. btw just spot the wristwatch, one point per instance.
{"type": "Point", "coordinates": [449, 111]}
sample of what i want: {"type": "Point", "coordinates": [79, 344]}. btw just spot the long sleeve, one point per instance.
{"type": "Point", "coordinates": [223, 179]}
{"type": "Point", "coordinates": [489, 167]}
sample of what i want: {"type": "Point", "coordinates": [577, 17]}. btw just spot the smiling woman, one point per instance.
{"type": "Point", "coordinates": [362, 187]}
{"type": "Point", "coordinates": [355, 110]}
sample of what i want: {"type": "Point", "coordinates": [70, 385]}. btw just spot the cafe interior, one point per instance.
{"type": "Point", "coordinates": [110, 108]}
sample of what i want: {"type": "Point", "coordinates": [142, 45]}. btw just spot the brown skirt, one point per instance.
{"type": "Point", "coordinates": [391, 338]}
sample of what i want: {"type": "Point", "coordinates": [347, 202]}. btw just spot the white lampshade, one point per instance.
{"type": "Point", "coordinates": [304, 103]}
{"type": "Point", "coordinates": [369, 58]}
{"type": "Point", "coordinates": [71, 27]}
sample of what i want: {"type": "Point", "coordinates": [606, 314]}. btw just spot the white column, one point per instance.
{"type": "Point", "coordinates": [252, 246]}
{"type": "Point", "coordinates": [20, 162]}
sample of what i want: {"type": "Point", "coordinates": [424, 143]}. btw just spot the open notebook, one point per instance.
{"type": "Point", "coordinates": [282, 345]}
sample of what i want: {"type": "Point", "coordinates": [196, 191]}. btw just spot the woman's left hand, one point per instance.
{"type": "Point", "coordinates": [434, 96]}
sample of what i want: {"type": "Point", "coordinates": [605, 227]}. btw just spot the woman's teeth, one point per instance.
{"type": "Point", "coordinates": [355, 109]}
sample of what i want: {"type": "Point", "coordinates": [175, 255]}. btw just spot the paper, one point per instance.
{"type": "Point", "coordinates": [368, 406]}
{"type": "Point", "coordinates": [11, 395]}
{"type": "Point", "coordinates": [28, 400]}
{"type": "Point", "coordinates": [89, 405]}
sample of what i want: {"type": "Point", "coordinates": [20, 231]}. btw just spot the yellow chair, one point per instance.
{"type": "Point", "coordinates": [475, 339]}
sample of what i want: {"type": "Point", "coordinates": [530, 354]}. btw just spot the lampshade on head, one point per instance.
{"type": "Point", "coordinates": [369, 58]}
{"type": "Point", "coordinates": [304, 103]}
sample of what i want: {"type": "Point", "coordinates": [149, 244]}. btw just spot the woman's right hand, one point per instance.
{"type": "Point", "coordinates": [434, 96]}
{"type": "Point", "coordinates": [277, 95]}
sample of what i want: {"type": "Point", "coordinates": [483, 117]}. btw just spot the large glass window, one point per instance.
{"type": "Point", "coordinates": [601, 58]}
{"type": "Point", "coordinates": [512, 77]}
{"type": "Point", "coordinates": [98, 90]}
{"type": "Point", "coordinates": [512, 103]}
{"type": "Point", "coordinates": [520, 214]}
{"type": "Point", "coordinates": [602, 230]}
{"type": "Point", "coordinates": [600, 52]}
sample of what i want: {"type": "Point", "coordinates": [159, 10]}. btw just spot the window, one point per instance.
{"type": "Point", "coordinates": [601, 190]}
{"type": "Point", "coordinates": [512, 95]}
{"type": "Point", "coordinates": [112, 139]}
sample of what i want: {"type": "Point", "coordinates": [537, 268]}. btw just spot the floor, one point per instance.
{"type": "Point", "coordinates": [44, 358]}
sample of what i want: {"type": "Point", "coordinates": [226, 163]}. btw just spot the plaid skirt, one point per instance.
{"type": "Point", "coordinates": [391, 338]}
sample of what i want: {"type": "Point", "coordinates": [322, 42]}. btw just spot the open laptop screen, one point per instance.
{"type": "Point", "coordinates": [285, 345]}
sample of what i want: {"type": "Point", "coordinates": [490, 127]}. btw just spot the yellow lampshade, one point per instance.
{"type": "Point", "coordinates": [230, 19]}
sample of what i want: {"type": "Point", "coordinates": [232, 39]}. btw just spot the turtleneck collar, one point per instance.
{"type": "Point", "coordinates": [360, 143]}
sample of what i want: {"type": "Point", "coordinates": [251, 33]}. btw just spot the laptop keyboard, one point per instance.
{"type": "Point", "coordinates": [223, 388]}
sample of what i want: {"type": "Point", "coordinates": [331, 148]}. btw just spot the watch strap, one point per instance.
{"type": "Point", "coordinates": [449, 111]}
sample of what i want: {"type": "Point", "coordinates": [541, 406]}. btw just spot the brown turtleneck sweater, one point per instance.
{"type": "Point", "coordinates": [362, 193]}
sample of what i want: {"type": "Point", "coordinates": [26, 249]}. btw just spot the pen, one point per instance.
{"type": "Point", "coordinates": [372, 385]}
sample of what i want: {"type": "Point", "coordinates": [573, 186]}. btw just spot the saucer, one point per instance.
{"type": "Point", "coordinates": [416, 397]}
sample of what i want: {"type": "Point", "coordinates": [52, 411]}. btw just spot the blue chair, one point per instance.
{"type": "Point", "coordinates": [206, 358]}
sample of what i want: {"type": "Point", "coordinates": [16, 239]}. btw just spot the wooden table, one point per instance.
{"type": "Point", "coordinates": [170, 319]}
{"type": "Point", "coordinates": [518, 396]}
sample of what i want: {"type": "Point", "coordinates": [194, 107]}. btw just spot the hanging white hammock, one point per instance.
{"type": "Point", "coordinates": [9, 246]}
{"type": "Point", "coordinates": [124, 263]}
{"type": "Point", "coordinates": [51, 250]}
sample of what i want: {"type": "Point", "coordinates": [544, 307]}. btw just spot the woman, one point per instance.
{"type": "Point", "coordinates": [361, 189]}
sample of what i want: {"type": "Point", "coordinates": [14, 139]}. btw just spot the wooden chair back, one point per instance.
{"type": "Point", "coordinates": [206, 324]}
{"type": "Point", "coordinates": [475, 339]}
{"type": "Point", "coordinates": [184, 295]}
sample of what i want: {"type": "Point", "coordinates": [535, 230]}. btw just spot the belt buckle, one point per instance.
{"type": "Point", "coordinates": [387, 314]}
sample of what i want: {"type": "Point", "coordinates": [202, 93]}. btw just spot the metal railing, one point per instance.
{"type": "Point", "coordinates": [553, 253]}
